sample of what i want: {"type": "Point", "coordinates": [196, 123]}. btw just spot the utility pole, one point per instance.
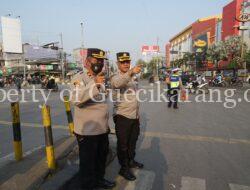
{"type": "Point", "coordinates": [23, 63]}
{"type": "Point", "coordinates": [157, 61]}
{"type": "Point", "coordinates": [82, 44]}
{"type": "Point", "coordinates": [62, 57]}
{"type": "Point", "coordinates": [242, 40]}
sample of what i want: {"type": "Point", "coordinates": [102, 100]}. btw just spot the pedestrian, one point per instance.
{"type": "Point", "coordinates": [91, 122]}
{"type": "Point", "coordinates": [175, 86]}
{"type": "Point", "coordinates": [18, 82]}
{"type": "Point", "coordinates": [126, 114]}
{"type": "Point", "coordinates": [167, 80]}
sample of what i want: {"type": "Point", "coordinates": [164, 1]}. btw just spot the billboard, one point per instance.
{"type": "Point", "coordinates": [33, 52]}
{"type": "Point", "coordinates": [150, 49]}
{"type": "Point", "coordinates": [11, 35]}
{"type": "Point", "coordinates": [79, 56]}
{"type": "Point", "coordinates": [200, 46]}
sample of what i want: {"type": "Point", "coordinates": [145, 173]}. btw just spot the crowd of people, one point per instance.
{"type": "Point", "coordinates": [18, 81]}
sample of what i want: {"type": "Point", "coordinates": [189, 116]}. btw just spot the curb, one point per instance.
{"type": "Point", "coordinates": [31, 172]}
{"type": "Point", "coordinates": [69, 175]}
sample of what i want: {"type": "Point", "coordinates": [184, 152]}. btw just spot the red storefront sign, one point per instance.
{"type": "Point", "coordinates": [150, 49]}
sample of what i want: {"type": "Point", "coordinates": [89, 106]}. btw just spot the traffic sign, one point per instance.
{"type": "Point", "coordinates": [245, 17]}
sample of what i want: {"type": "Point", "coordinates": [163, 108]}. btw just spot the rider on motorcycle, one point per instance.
{"type": "Point", "coordinates": [218, 78]}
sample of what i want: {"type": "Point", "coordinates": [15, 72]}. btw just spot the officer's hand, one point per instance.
{"type": "Point", "coordinates": [100, 79]}
{"type": "Point", "coordinates": [136, 69]}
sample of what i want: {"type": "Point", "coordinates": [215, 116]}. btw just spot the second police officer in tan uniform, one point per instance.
{"type": "Point", "coordinates": [126, 114]}
{"type": "Point", "coordinates": [91, 122]}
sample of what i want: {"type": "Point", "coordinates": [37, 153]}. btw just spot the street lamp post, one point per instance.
{"type": "Point", "coordinates": [62, 58]}
{"type": "Point", "coordinates": [82, 43]}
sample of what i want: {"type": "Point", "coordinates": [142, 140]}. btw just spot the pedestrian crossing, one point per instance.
{"type": "Point", "coordinates": [146, 180]}
{"type": "Point", "coordinates": [189, 183]}
{"type": "Point", "coordinates": [238, 187]}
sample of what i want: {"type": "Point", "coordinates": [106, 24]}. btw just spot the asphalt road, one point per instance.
{"type": "Point", "coordinates": [201, 146]}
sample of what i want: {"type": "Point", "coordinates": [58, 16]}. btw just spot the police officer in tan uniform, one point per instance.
{"type": "Point", "coordinates": [91, 121]}
{"type": "Point", "coordinates": [126, 114]}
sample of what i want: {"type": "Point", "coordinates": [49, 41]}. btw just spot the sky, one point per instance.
{"type": "Point", "coordinates": [112, 25]}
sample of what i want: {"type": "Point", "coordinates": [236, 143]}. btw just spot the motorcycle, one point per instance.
{"type": "Point", "coordinates": [2, 83]}
{"type": "Point", "coordinates": [235, 82]}
{"type": "Point", "coordinates": [50, 85]}
{"type": "Point", "coordinates": [217, 83]}
{"type": "Point", "coordinates": [198, 86]}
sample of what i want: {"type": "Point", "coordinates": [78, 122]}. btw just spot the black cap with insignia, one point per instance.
{"type": "Point", "coordinates": [96, 53]}
{"type": "Point", "coordinates": [123, 56]}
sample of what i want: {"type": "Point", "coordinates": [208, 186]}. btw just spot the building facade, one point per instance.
{"type": "Point", "coordinates": [229, 23]}
{"type": "Point", "coordinates": [180, 44]}
{"type": "Point", "coordinates": [198, 36]}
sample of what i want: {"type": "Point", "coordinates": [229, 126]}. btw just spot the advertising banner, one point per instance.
{"type": "Point", "coordinates": [11, 35]}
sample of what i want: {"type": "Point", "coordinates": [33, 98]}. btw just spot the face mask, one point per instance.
{"type": "Point", "coordinates": [97, 68]}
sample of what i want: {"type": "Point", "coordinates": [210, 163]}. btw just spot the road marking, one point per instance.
{"type": "Point", "coordinates": [34, 125]}
{"type": "Point", "coordinates": [189, 183]}
{"type": "Point", "coordinates": [144, 181]}
{"type": "Point", "coordinates": [10, 157]}
{"type": "Point", "coordinates": [156, 134]}
{"type": "Point", "coordinates": [238, 187]}
{"type": "Point", "coordinates": [194, 138]}
{"type": "Point", "coordinates": [197, 138]}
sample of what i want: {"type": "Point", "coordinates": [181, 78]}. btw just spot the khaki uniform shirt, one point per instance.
{"type": "Point", "coordinates": [90, 117]}
{"type": "Point", "coordinates": [124, 97]}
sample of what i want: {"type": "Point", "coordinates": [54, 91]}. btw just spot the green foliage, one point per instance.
{"type": "Point", "coordinates": [247, 58]}
{"type": "Point", "coordinates": [217, 52]}
{"type": "Point", "coordinates": [230, 49]}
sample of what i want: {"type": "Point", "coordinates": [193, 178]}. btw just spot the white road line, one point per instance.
{"type": "Point", "coordinates": [189, 183]}
{"type": "Point", "coordinates": [10, 157]}
{"type": "Point", "coordinates": [145, 180]}
{"type": "Point", "coordinates": [238, 187]}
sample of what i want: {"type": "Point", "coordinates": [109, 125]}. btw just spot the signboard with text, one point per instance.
{"type": "Point", "coordinates": [150, 49]}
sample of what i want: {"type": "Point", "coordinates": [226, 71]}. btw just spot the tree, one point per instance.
{"type": "Point", "coordinates": [141, 62]}
{"type": "Point", "coordinates": [247, 59]}
{"type": "Point", "coordinates": [230, 49]}
{"type": "Point", "coordinates": [217, 52]}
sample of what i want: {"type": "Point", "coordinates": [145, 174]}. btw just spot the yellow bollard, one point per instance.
{"type": "Point", "coordinates": [17, 143]}
{"type": "Point", "coordinates": [48, 137]}
{"type": "Point", "coordinates": [69, 115]}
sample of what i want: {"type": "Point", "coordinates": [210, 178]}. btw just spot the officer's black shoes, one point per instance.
{"type": "Point", "coordinates": [105, 184]}
{"type": "Point", "coordinates": [126, 173]}
{"type": "Point", "coordinates": [137, 165]}
{"type": "Point", "coordinates": [176, 107]}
